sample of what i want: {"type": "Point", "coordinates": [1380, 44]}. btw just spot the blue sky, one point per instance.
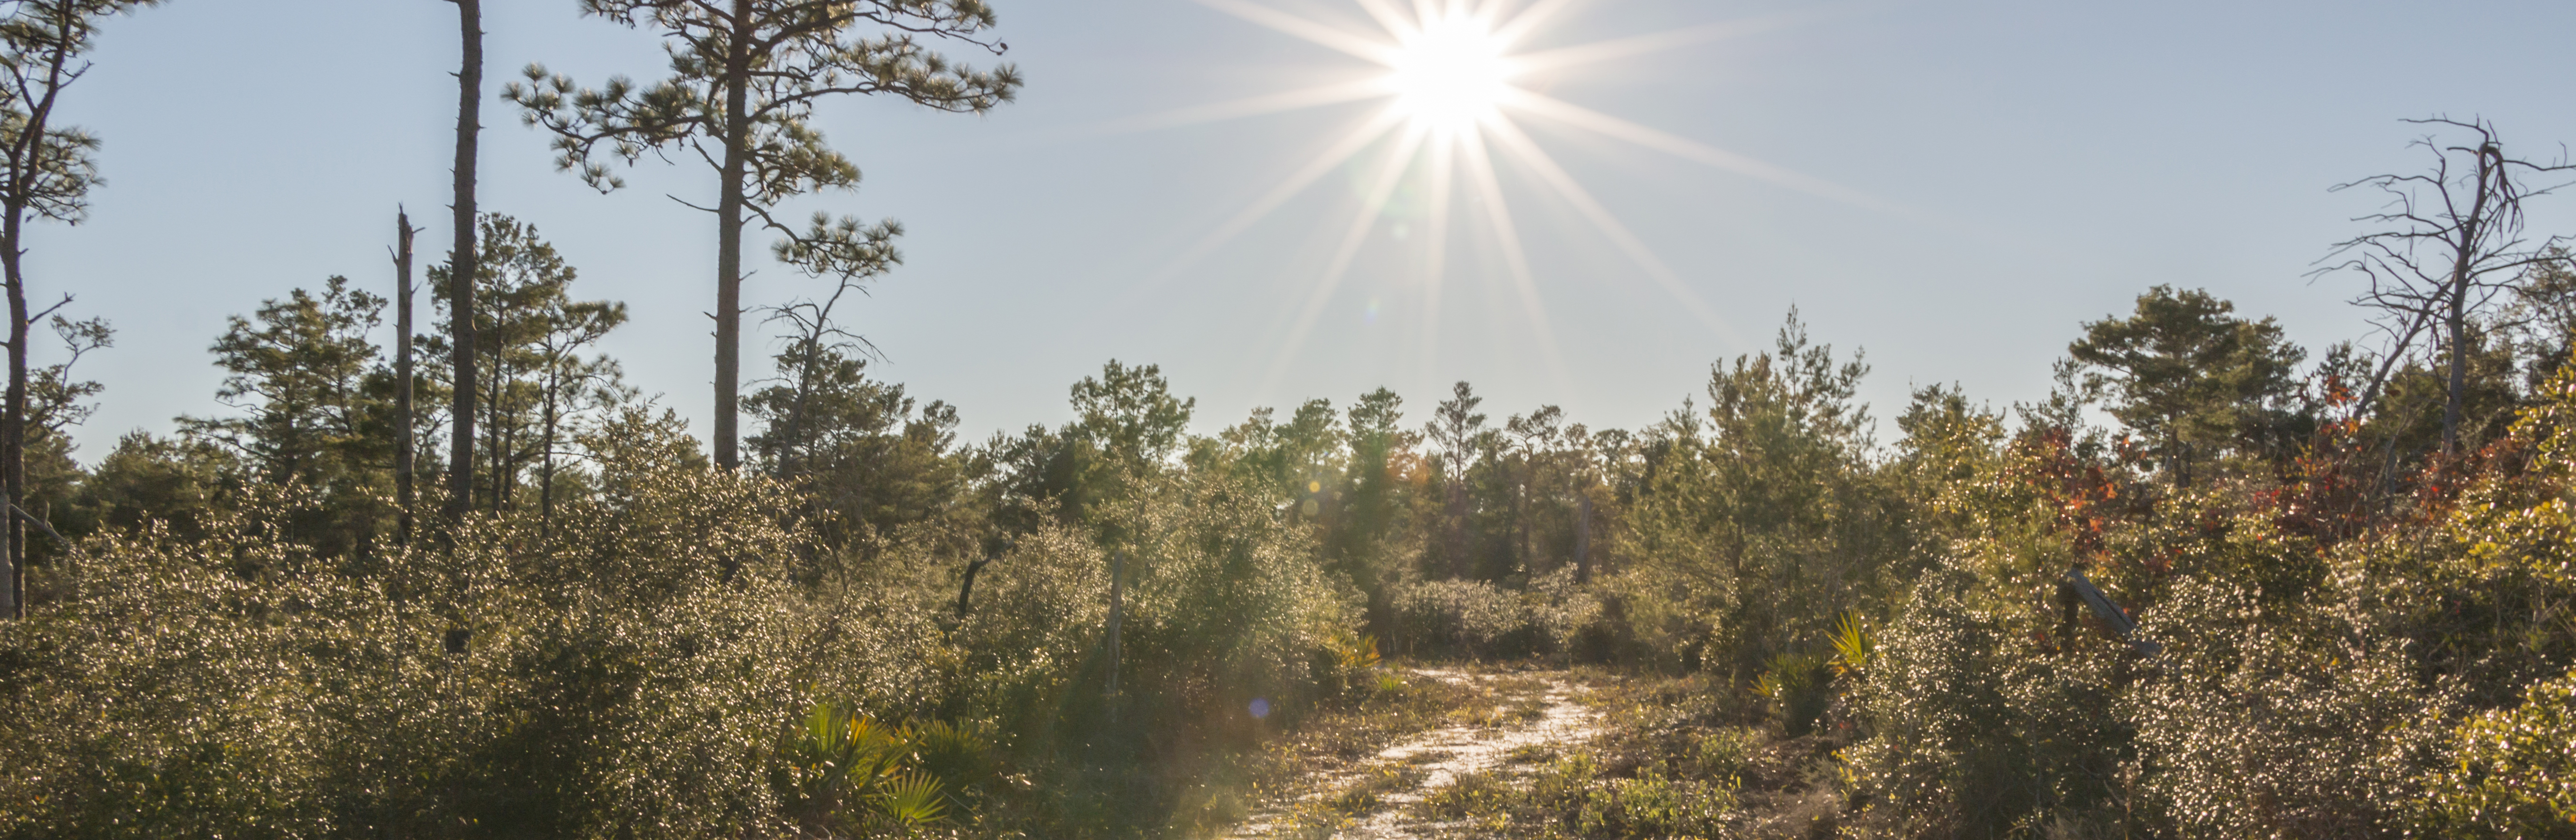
{"type": "Point", "coordinates": [2025, 166]}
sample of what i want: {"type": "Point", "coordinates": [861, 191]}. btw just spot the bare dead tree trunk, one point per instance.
{"type": "Point", "coordinates": [2457, 322]}
{"type": "Point", "coordinates": [2453, 241]}
{"type": "Point", "coordinates": [2464, 256]}
{"type": "Point", "coordinates": [405, 448]}
{"type": "Point", "coordinates": [464, 265]}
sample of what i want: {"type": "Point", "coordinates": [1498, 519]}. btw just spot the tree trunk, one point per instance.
{"type": "Point", "coordinates": [404, 447]}
{"type": "Point", "coordinates": [546, 466]}
{"type": "Point", "coordinates": [13, 412]}
{"type": "Point", "coordinates": [1583, 539]}
{"type": "Point", "coordinates": [2458, 323]}
{"type": "Point", "coordinates": [1527, 559]}
{"type": "Point", "coordinates": [26, 164]}
{"type": "Point", "coordinates": [1454, 529]}
{"type": "Point", "coordinates": [464, 266]}
{"type": "Point", "coordinates": [496, 441]}
{"type": "Point", "coordinates": [796, 445]}
{"type": "Point", "coordinates": [966, 590]}
{"type": "Point", "coordinates": [737, 134]}
{"type": "Point", "coordinates": [1117, 580]}
{"type": "Point", "coordinates": [2464, 256]}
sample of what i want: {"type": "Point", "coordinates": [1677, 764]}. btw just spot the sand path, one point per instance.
{"type": "Point", "coordinates": [1540, 708]}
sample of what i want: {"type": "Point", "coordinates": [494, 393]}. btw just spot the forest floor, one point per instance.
{"type": "Point", "coordinates": [1491, 724]}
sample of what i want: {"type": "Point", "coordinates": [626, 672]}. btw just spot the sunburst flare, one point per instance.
{"type": "Point", "coordinates": [1451, 89]}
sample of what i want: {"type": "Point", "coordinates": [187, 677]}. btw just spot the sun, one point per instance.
{"type": "Point", "coordinates": [1450, 74]}
{"type": "Point", "coordinates": [1456, 80]}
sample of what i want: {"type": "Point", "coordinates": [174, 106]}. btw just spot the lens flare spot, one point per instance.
{"type": "Point", "coordinates": [1260, 708]}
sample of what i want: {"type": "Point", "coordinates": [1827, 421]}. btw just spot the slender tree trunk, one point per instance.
{"type": "Point", "coordinates": [464, 265]}
{"type": "Point", "coordinates": [13, 412]}
{"type": "Point", "coordinates": [810, 350]}
{"type": "Point", "coordinates": [737, 134]}
{"type": "Point", "coordinates": [1528, 558]}
{"type": "Point", "coordinates": [2458, 323]}
{"type": "Point", "coordinates": [496, 440]}
{"type": "Point", "coordinates": [26, 158]}
{"type": "Point", "coordinates": [966, 590]}
{"type": "Point", "coordinates": [546, 466]}
{"type": "Point", "coordinates": [1583, 539]}
{"type": "Point", "coordinates": [2464, 255]}
{"type": "Point", "coordinates": [492, 428]}
{"type": "Point", "coordinates": [1454, 529]}
{"type": "Point", "coordinates": [1117, 581]}
{"type": "Point", "coordinates": [405, 449]}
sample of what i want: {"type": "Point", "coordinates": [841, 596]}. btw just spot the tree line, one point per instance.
{"type": "Point", "coordinates": [2335, 613]}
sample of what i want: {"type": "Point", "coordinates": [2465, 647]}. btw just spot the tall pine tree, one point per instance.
{"type": "Point", "coordinates": [745, 78]}
{"type": "Point", "coordinates": [45, 173]}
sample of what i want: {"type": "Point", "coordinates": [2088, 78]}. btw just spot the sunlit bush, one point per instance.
{"type": "Point", "coordinates": [2513, 773]}
{"type": "Point", "coordinates": [632, 677]}
{"type": "Point", "coordinates": [1467, 618]}
{"type": "Point", "coordinates": [1975, 727]}
{"type": "Point", "coordinates": [1221, 608]}
{"type": "Point", "coordinates": [2279, 722]}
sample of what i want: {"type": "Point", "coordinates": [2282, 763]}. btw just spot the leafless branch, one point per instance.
{"type": "Point", "coordinates": [2450, 240]}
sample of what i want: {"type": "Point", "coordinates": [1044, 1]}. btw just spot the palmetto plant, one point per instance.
{"type": "Point", "coordinates": [1355, 653]}
{"type": "Point", "coordinates": [1797, 686]}
{"type": "Point", "coordinates": [912, 798]}
{"type": "Point", "coordinates": [848, 769]}
{"type": "Point", "coordinates": [1853, 645]}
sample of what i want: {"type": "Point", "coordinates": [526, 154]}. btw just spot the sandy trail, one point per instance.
{"type": "Point", "coordinates": [1437, 757]}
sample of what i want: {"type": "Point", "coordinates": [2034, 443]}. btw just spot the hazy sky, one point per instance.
{"type": "Point", "coordinates": [1961, 184]}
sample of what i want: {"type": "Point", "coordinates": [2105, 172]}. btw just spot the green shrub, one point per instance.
{"type": "Point", "coordinates": [2274, 723]}
{"type": "Point", "coordinates": [1974, 726]}
{"type": "Point", "coordinates": [1475, 619]}
{"type": "Point", "coordinates": [1570, 798]}
{"type": "Point", "coordinates": [629, 672]}
{"type": "Point", "coordinates": [621, 680]}
{"type": "Point", "coordinates": [1654, 806]}
{"type": "Point", "coordinates": [1723, 754]}
{"type": "Point", "coordinates": [1465, 618]}
{"type": "Point", "coordinates": [2513, 772]}
{"type": "Point", "coordinates": [1222, 607]}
